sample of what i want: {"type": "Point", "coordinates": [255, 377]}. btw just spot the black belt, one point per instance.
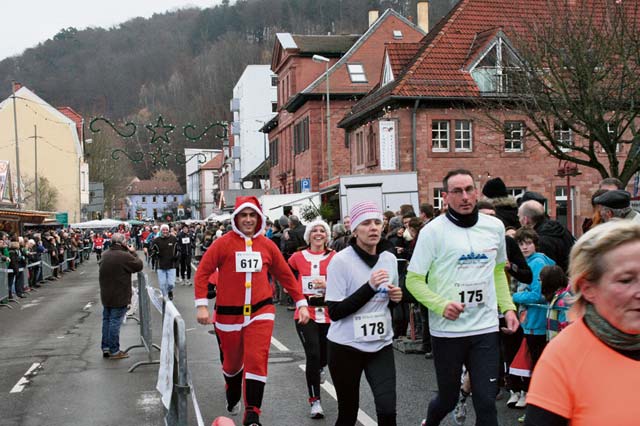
{"type": "Point", "coordinates": [245, 310]}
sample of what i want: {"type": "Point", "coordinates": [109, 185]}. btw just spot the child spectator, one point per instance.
{"type": "Point", "coordinates": [556, 291]}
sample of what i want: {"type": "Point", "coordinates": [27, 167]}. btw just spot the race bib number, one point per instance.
{"type": "Point", "coordinates": [473, 293]}
{"type": "Point", "coordinates": [370, 327]}
{"type": "Point", "coordinates": [186, 240]}
{"type": "Point", "coordinates": [308, 287]}
{"type": "Point", "coordinates": [248, 261]}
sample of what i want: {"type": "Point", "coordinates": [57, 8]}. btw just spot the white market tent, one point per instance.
{"type": "Point", "coordinates": [218, 217]}
{"type": "Point", "coordinates": [99, 224]}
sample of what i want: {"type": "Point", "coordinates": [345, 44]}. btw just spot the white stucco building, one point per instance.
{"type": "Point", "coordinates": [199, 191]}
{"type": "Point", "coordinates": [254, 103]}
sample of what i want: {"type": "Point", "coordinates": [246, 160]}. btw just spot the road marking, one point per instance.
{"type": "Point", "coordinates": [279, 345]}
{"type": "Point", "coordinates": [190, 329]}
{"type": "Point", "coordinates": [363, 418]}
{"type": "Point", "coordinates": [34, 302]}
{"type": "Point", "coordinates": [87, 306]}
{"type": "Point", "coordinates": [19, 387]}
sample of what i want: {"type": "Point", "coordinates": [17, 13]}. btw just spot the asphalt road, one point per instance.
{"type": "Point", "coordinates": [55, 336]}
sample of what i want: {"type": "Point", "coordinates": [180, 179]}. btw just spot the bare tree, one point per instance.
{"type": "Point", "coordinates": [47, 194]}
{"type": "Point", "coordinates": [574, 72]}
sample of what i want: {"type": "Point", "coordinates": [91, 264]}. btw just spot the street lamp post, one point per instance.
{"type": "Point", "coordinates": [319, 58]}
{"type": "Point", "coordinates": [569, 170]}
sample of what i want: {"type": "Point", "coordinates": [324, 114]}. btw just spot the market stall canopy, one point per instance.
{"type": "Point", "coordinates": [98, 224]}
{"type": "Point", "coordinates": [218, 217]}
{"type": "Point", "coordinates": [135, 222]}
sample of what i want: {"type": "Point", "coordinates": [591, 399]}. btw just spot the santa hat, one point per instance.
{"type": "Point", "coordinates": [252, 203]}
{"type": "Point", "coordinates": [311, 225]}
{"type": "Point", "coordinates": [362, 211]}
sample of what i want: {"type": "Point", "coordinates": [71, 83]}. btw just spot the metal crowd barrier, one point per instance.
{"type": "Point", "coordinates": [47, 268]}
{"type": "Point", "coordinates": [180, 387]}
{"type": "Point", "coordinates": [144, 320]}
{"type": "Point", "coordinates": [4, 288]}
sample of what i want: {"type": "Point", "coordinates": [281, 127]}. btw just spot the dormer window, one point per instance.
{"type": "Point", "coordinates": [387, 75]}
{"type": "Point", "coordinates": [356, 73]}
{"type": "Point", "coordinates": [494, 72]}
{"type": "Point", "coordinates": [397, 35]}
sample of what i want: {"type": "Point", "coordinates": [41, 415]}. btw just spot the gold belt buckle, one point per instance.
{"type": "Point", "coordinates": [246, 310]}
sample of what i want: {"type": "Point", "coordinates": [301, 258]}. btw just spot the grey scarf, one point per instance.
{"type": "Point", "coordinates": [610, 335]}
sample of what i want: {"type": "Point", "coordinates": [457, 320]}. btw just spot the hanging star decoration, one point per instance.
{"type": "Point", "coordinates": [159, 158]}
{"type": "Point", "coordinates": [160, 131]}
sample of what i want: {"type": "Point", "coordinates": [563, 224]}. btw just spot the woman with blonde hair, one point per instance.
{"type": "Point", "coordinates": [588, 374]}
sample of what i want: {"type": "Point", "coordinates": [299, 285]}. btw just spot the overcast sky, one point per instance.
{"type": "Point", "coordinates": [25, 23]}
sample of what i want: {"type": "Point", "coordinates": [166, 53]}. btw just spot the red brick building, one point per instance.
{"type": "Point", "coordinates": [297, 135]}
{"type": "Point", "coordinates": [426, 99]}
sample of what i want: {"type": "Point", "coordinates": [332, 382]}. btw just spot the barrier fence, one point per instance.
{"type": "Point", "coordinates": [144, 321]}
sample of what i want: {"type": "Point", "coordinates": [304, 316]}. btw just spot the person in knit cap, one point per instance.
{"type": "Point", "coordinates": [244, 311]}
{"type": "Point", "coordinates": [505, 206]}
{"type": "Point", "coordinates": [362, 284]}
{"type": "Point", "coordinates": [310, 266]}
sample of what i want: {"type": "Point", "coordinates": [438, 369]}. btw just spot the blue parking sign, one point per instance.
{"type": "Point", "coordinates": [305, 185]}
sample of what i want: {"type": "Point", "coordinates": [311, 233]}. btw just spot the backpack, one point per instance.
{"type": "Point", "coordinates": [557, 312]}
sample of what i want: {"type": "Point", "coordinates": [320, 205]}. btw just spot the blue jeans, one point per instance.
{"type": "Point", "coordinates": [166, 280]}
{"type": "Point", "coordinates": [111, 322]}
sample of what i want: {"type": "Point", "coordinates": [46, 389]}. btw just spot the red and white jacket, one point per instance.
{"type": "Point", "coordinates": [309, 264]}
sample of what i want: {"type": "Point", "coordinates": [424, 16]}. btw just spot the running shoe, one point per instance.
{"type": "Point", "coordinates": [235, 409]}
{"type": "Point", "coordinates": [522, 418]}
{"type": "Point", "coordinates": [513, 399]}
{"type": "Point", "coordinates": [316, 410]}
{"type": "Point", "coordinates": [460, 412]}
{"type": "Point", "coordinates": [522, 401]}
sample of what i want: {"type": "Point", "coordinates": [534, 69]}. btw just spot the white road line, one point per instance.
{"type": "Point", "coordinates": [363, 418]}
{"type": "Point", "coordinates": [19, 387]}
{"type": "Point", "coordinates": [87, 306]}
{"type": "Point", "coordinates": [279, 345]}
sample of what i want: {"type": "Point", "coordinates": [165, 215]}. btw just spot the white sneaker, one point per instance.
{"type": "Point", "coordinates": [513, 399]}
{"type": "Point", "coordinates": [460, 412]}
{"type": "Point", "coordinates": [522, 401]}
{"type": "Point", "coordinates": [235, 409]}
{"type": "Point", "coordinates": [323, 376]}
{"type": "Point", "coordinates": [178, 280]}
{"type": "Point", "coordinates": [189, 282]}
{"type": "Point", "coordinates": [316, 410]}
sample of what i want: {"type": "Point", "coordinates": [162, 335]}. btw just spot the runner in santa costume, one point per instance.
{"type": "Point", "coordinates": [310, 265]}
{"type": "Point", "coordinates": [244, 308]}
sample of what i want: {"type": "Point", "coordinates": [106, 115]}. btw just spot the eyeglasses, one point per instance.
{"type": "Point", "coordinates": [458, 191]}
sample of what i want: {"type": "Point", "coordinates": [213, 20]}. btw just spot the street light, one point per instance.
{"type": "Point", "coordinates": [319, 59]}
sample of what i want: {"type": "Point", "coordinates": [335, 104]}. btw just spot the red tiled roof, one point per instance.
{"type": "Point", "coordinates": [144, 187]}
{"type": "Point", "coordinates": [400, 54]}
{"type": "Point", "coordinates": [73, 116]}
{"type": "Point", "coordinates": [438, 68]}
{"type": "Point", "coordinates": [214, 164]}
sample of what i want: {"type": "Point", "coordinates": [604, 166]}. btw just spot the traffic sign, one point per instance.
{"type": "Point", "coordinates": [305, 185]}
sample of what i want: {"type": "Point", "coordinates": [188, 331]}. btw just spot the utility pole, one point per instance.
{"type": "Point", "coordinates": [15, 128]}
{"type": "Point", "coordinates": [35, 150]}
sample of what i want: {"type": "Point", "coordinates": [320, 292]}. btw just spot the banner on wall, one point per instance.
{"type": "Point", "coordinates": [387, 145]}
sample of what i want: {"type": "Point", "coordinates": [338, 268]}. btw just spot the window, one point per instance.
{"type": "Point", "coordinates": [273, 152]}
{"type": "Point", "coordinates": [274, 80]}
{"type": "Point", "coordinates": [164, 198]}
{"type": "Point", "coordinates": [372, 151]}
{"type": "Point", "coordinates": [175, 199]}
{"type": "Point", "coordinates": [516, 192]}
{"type": "Point", "coordinates": [274, 107]}
{"type": "Point", "coordinates": [301, 136]}
{"type": "Point", "coordinates": [356, 72]}
{"type": "Point", "coordinates": [463, 135]}
{"type": "Point", "coordinates": [495, 71]}
{"type": "Point", "coordinates": [438, 199]}
{"type": "Point", "coordinates": [144, 199]}
{"type": "Point", "coordinates": [513, 136]}
{"type": "Point", "coordinates": [613, 134]}
{"type": "Point", "coordinates": [440, 135]}
{"type": "Point", "coordinates": [360, 148]}
{"type": "Point", "coordinates": [397, 34]}
{"type": "Point", "coordinates": [563, 135]}
{"type": "Point", "coordinates": [154, 199]}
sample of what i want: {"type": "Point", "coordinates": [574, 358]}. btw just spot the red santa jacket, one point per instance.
{"type": "Point", "coordinates": [232, 286]}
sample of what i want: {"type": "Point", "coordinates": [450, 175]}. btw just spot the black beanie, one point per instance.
{"type": "Point", "coordinates": [495, 188]}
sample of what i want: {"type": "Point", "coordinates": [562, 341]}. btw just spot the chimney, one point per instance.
{"type": "Point", "coordinates": [373, 17]}
{"type": "Point", "coordinates": [15, 86]}
{"type": "Point", "coordinates": [423, 16]}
